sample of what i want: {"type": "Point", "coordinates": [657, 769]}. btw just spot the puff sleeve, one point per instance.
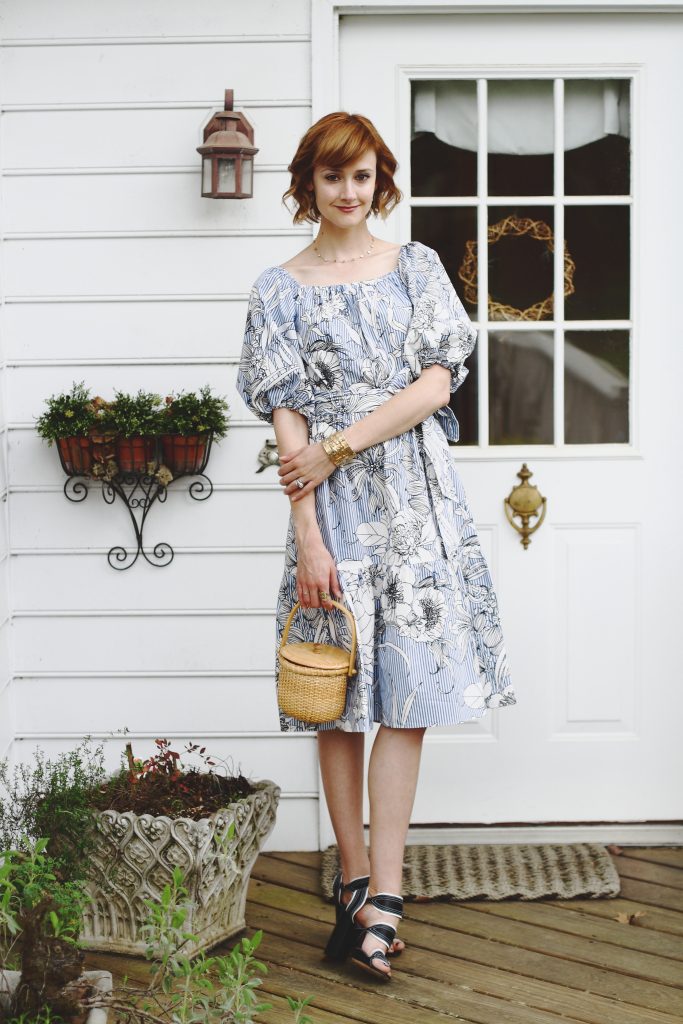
{"type": "Point", "coordinates": [440, 330]}
{"type": "Point", "coordinates": [271, 372]}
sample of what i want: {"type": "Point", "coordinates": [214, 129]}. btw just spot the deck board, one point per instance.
{"type": "Point", "coordinates": [477, 962]}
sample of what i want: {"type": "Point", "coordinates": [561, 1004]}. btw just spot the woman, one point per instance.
{"type": "Point", "coordinates": [351, 350]}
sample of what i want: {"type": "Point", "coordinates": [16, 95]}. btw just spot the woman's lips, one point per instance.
{"type": "Point", "coordinates": [346, 209]}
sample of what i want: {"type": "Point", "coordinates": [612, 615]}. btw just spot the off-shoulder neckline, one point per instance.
{"type": "Point", "coordinates": [348, 284]}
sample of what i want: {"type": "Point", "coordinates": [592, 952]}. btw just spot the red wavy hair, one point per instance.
{"type": "Point", "coordinates": [333, 141]}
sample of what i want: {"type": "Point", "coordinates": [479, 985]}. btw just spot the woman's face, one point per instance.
{"type": "Point", "coordinates": [344, 195]}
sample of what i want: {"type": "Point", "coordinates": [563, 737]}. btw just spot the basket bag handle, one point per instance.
{"type": "Point", "coordinates": [352, 653]}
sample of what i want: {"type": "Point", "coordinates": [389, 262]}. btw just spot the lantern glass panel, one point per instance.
{"type": "Point", "coordinates": [226, 174]}
{"type": "Point", "coordinates": [247, 166]}
{"type": "Point", "coordinates": [206, 174]}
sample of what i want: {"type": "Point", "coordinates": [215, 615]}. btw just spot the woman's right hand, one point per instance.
{"type": "Point", "coordinates": [316, 570]}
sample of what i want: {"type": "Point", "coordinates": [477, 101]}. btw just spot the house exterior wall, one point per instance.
{"type": "Point", "coordinates": [118, 273]}
{"type": "Point", "coordinates": [6, 731]}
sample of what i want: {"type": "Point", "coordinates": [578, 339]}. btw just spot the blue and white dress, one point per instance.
{"type": "Point", "coordinates": [430, 648]}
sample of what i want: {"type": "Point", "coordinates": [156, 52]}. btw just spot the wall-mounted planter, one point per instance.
{"type": "Point", "coordinates": [139, 470]}
{"type": "Point", "coordinates": [184, 454]}
{"type": "Point", "coordinates": [75, 454]}
{"type": "Point", "coordinates": [133, 454]}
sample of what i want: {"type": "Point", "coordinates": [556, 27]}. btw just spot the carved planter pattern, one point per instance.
{"type": "Point", "coordinates": [135, 858]}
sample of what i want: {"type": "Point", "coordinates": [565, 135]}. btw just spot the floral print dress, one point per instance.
{"type": "Point", "coordinates": [430, 648]}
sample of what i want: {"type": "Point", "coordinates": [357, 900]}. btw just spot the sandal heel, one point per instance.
{"type": "Point", "coordinates": [339, 942]}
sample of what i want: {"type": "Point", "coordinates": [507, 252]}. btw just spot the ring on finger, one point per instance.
{"type": "Point", "coordinates": [299, 483]}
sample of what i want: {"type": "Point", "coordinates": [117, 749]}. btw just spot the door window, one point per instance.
{"type": "Point", "coordinates": [554, 161]}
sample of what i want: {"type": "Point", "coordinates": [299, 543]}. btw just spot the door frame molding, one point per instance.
{"type": "Point", "coordinates": [325, 14]}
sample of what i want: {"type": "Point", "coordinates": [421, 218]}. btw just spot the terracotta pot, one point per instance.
{"type": "Point", "coordinates": [134, 858]}
{"type": "Point", "coordinates": [184, 454]}
{"type": "Point", "coordinates": [133, 453]}
{"type": "Point", "coordinates": [75, 452]}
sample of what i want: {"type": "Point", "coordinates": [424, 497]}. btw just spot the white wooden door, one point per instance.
{"type": "Point", "coordinates": [533, 128]}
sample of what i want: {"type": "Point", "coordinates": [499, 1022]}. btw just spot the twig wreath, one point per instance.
{"type": "Point", "coordinates": [517, 226]}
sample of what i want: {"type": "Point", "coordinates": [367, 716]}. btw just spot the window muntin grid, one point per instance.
{"type": "Point", "coordinates": [512, 164]}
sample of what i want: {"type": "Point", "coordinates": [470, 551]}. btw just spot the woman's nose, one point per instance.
{"type": "Point", "coordinates": [348, 191]}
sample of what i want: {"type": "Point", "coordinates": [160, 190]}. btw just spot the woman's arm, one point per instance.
{"type": "Point", "coordinates": [291, 433]}
{"type": "Point", "coordinates": [408, 407]}
{"type": "Point", "coordinates": [298, 458]}
{"type": "Point", "coordinates": [316, 569]}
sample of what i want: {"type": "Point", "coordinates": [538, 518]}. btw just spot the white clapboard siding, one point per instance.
{"type": "Point", "coordinates": [137, 72]}
{"type": "Point", "coordinates": [156, 138]}
{"type": "Point", "coordinates": [138, 203]}
{"type": "Point", "coordinates": [117, 273]}
{"type": "Point", "coordinates": [159, 20]}
{"type": "Point", "coordinates": [169, 329]}
{"type": "Point", "coordinates": [172, 265]}
{"type": "Point", "coordinates": [250, 517]}
{"type": "Point", "coordinates": [222, 577]}
{"type": "Point", "coordinates": [6, 725]}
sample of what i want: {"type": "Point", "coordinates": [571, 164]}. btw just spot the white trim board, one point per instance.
{"type": "Point", "coordinates": [325, 14]}
{"type": "Point", "coordinates": [627, 834]}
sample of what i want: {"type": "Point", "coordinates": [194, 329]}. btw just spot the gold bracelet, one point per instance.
{"type": "Point", "coordinates": [338, 448]}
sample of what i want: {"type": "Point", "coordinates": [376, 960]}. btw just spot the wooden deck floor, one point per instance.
{"type": "Point", "coordinates": [515, 962]}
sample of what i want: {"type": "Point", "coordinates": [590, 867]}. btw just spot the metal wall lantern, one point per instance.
{"type": "Point", "coordinates": [228, 155]}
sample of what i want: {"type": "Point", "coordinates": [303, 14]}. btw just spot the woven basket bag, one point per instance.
{"type": "Point", "coordinates": [313, 677]}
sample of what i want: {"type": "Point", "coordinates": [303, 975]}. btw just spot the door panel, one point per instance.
{"type": "Point", "coordinates": [512, 131]}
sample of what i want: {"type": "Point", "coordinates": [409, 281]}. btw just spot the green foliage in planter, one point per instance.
{"type": "Point", "coordinates": [133, 415]}
{"type": "Point", "coordinates": [192, 413]}
{"type": "Point", "coordinates": [71, 414]}
{"type": "Point", "coordinates": [53, 798]}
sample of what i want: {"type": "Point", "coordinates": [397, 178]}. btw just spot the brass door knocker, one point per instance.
{"type": "Point", "coordinates": [524, 500]}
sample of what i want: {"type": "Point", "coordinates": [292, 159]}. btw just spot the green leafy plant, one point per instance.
{"type": "Point", "coordinates": [206, 989]}
{"type": "Point", "coordinates": [134, 415]}
{"type": "Point", "coordinates": [53, 798]}
{"type": "Point", "coordinates": [43, 894]}
{"type": "Point", "coordinates": [71, 414]}
{"type": "Point", "coordinates": [192, 413]}
{"type": "Point", "coordinates": [41, 917]}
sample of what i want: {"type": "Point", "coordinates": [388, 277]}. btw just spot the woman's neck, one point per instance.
{"type": "Point", "coordinates": [333, 242]}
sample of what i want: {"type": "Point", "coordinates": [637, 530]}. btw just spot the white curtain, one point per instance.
{"type": "Point", "coordinates": [520, 113]}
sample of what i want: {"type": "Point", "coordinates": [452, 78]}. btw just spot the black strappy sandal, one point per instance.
{"type": "Point", "coordinates": [389, 903]}
{"type": "Point", "coordinates": [339, 942]}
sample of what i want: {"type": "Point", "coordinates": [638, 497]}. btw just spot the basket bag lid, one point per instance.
{"type": "Point", "coordinates": [325, 656]}
{"type": "Point", "coordinates": [313, 655]}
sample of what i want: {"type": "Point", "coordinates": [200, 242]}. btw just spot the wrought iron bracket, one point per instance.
{"type": "Point", "coordinates": [138, 490]}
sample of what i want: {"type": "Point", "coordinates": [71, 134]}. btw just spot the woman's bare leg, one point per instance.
{"type": "Point", "coordinates": [341, 765]}
{"type": "Point", "coordinates": [392, 782]}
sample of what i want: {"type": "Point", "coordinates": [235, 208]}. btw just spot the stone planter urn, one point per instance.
{"type": "Point", "coordinates": [136, 855]}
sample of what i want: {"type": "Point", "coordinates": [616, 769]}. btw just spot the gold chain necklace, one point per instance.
{"type": "Point", "coordinates": [351, 260]}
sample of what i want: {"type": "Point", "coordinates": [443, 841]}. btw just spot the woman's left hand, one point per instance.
{"type": "Point", "coordinates": [311, 463]}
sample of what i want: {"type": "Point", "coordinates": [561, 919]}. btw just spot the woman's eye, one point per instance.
{"type": "Point", "coordinates": [330, 177]}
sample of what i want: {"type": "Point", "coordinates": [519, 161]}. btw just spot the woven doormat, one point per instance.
{"type": "Point", "coordinates": [498, 872]}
